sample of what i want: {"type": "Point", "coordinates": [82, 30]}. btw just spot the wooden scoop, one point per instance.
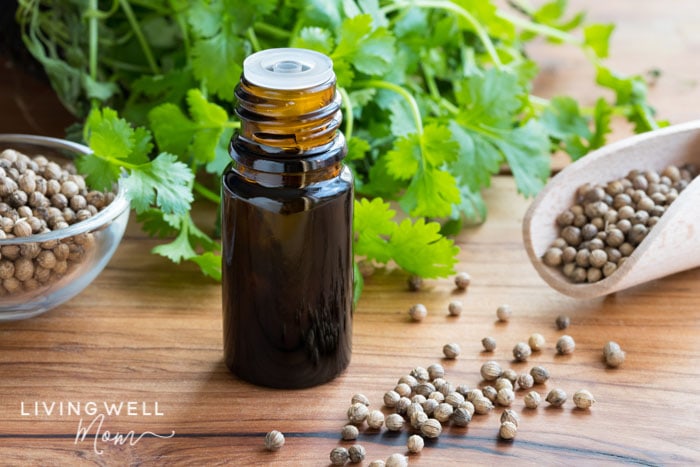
{"type": "Point", "coordinates": [672, 245]}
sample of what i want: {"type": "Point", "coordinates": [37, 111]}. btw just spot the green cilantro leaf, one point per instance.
{"type": "Point", "coordinates": [403, 161]}
{"type": "Point", "coordinates": [163, 182]}
{"type": "Point", "coordinates": [314, 38]}
{"type": "Point", "coordinates": [431, 193]}
{"type": "Point", "coordinates": [373, 225]}
{"type": "Point", "coordinates": [597, 37]}
{"type": "Point", "coordinates": [370, 50]}
{"type": "Point", "coordinates": [217, 62]}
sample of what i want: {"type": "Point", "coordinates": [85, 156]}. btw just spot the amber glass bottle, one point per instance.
{"type": "Point", "coordinates": [287, 225]}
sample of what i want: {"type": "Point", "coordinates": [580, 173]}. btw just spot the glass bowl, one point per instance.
{"type": "Point", "coordinates": [80, 251]}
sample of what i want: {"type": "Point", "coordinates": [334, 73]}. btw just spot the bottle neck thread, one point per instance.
{"type": "Point", "coordinates": [293, 122]}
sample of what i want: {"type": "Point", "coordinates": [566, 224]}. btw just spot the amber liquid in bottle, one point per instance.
{"type": "Point", "coordinates": [287, 226]}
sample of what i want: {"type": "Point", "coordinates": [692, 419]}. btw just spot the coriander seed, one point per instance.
{"type": "Point", "coordinates": [507, 431]}
{"type": "Point", "coordinates": [393, 422]}
{"type": "Point", "coordinates": [420, 373]}
{"type": "Point", "coordinates": [490, 393]}
{"type": "Point", "coordinates": [403, 390]}
{"type": "Point", "coordinates": [418, 419]}
{"type": "Point", "coordinates": [391, 398]}
{"type": "Point", "coordinates": [356, 453]}
{"type": "Point", "coordinates": [583, 399]}
{"type": "Point", "coordinates": [377, 463]}
{"type": "Point", "coordinates": [461, 417]}
{"type": "Point", "coordinates": [482, 405]}
{"type": "Point", "coordinates": [361, 398]}
{"type": "Point", "coordinates": [505, 397]}
{"type": "Point", "coordinates": [339, 456]}
{"type": "Point", "coordinates": [451, 351]}
{"type": "Point", "coordinates": [532, 400]}
{"type": "Point", "coordinates": [432, 428]}
{"type": "Point", "coordinates": [525, 381]}
{"type": "Point", "coordinates": [425, 388]}
{"type": "Point", "coordinates": [375, 419]}
{"type": "Point", "coordinates": [418, 312]}
{"type": "Point", "coordinates": [430, 405]}
{"type": "Point", "coordinates": [521, 352]}
{"type": "Point", "coordinates": [462, 280]}
{"type": "Point", "coordinates": [443, 412]}
{"type": "Point", "coordinates": [503, 382]}
{"type": "Point", "coordinates": [489, 344]}
{"type": "Point", "coordinates": [536, 342]}
{"type": "Point", "coordinates": [556, 397]}
{"type": "Point", "coordinates": [415, 444]}
{"type": "Point", "coordinates": [436, 371]}
{"type": "Point", "coordinates": [539, 374]}
{"type": "Point", "coordinates": [455, 308]}
{"type": "Point", "coordinates": [562, 322]}
{"type": "Point", "coordinates": [503, 313]}
{"type": "Point", "coordinates": [357, 413]}
{"type": "Point", "coordinates": [613, 354]}
{"type": "Point", "coordinates": [350, 432]}
{"type": "Point", "coordinates": [565, 345]}
{"type": "Point", "coordinates": [274, 440]}
{"type": "Point", "coordinates": [510, 415]}
{"type": "Point", "coordinates": [455, 399]}
{"type": "Point", "coordinates": [490, 370]}
{"type": "Point", "coordinates": [510, 374]}
{"type": "Point", "coordinates": [396, 460]}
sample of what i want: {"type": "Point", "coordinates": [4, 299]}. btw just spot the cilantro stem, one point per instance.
{"type": "Point", "coordinates": [182, 24]}
{"type": "Point", "coordinates": [272, 31]}
{"type": "Point", "coordinates": [410, 100]}
{"type": "Point", "coordinates": [92, 41]}
{"type": "Point", "coordinates": [538, 28]}
{"type": "Point", "coordinates": [348, 115]}
{"type": "Point", "coordinates": [133, 22]}
{"type": "Point", "coordinates": [430, 83]}
{"type": "Point", "coordinates": [206, 193]}
{"type": "Point", "coordinates": [459, 11]}
{"type": "Point", "coordinates": [253, 39]}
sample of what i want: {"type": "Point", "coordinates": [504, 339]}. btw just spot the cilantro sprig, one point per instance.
{"type": "Point", "coordinates": [437, 99]}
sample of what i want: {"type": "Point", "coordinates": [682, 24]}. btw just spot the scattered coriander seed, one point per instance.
{"type": "Point", "coordinates": [490, 393]}
{"type": "Point", "coordinates": [377, 463]}
{"type": "Point", "coordinates": [357, 413]}
{"type": "Point", "coordinates": [393, 422]}
{"type": "Point", "coordinates": [402, 405]}
{"type": "Point", "coordinates": [356, 453]}
{"type": "Point", "coordinates": [505, 397]}
{"type": "Point", "coordinates": [532, 400]}
{"type": "Point", "coordinates": [391, 398]}
{"type": "Point", "coordinates": [539, 374]}
{"type": "Point", "coordinates": [510, 374]}
{"type": "Point", "coordinates": [455, 307]}
{"type": "Point", "coordinates": [403, 390]}
{"type": "Point", "coordinates": [503, 382]}
{"type": "Point", "coordinates": [556, 397]}
{"type": "Point", "coordinates": [437, 395]}
{"type": "Point", "coordinates": [525, 381]}
{"type": "Point", "coordinates": [432, 428]}
{"type": "Point", "coordinates": [420, 373]}
{"type": "Point", "coordinates": [436, 371]}
{"type": "Point", "coordinates": [418, 419]}
{"type": "Point", "coordinates": [461, 416]}
{"type": "Point", "coordinates": [455, 399]}
{"type": "Point", "coordinates": [614, 355]}
{"type": "Point", "coordinates": [583, 399]}
{"type": "Point", "coordinates": [425, 389]}
{"type": "Point", "coordinates": [418, 312]}
{"type": "Point", "coordinates": [482, 405]}
{"type": "Point", "coordinates": [462, 280]}
{"type": "Point", "coordinates": [504, 312]}
{"type": "Point", "coordinates": [507, 431]}
{"type": "Point", "coordinates": [360, 398]}
{"type": "Point", "coordinates": [350, 432]}
{"type": "Point", "coordinates": [409, 380]}
{"type": "Point", "coordinates": [274, 440]}
{"type": "Point", "coordinates": [396, 460]}
{"type": "Point", "coordinates": [443, 412]}
{"type": "Point", "coordinates": [490, 370]}
{"type": "Point", "coordinates": [415, 444]}
{"type": "Point", "coordinates": [451, 351]}
{"type": "Point", "coordinates": [489, 344]}
{"type": "Point", "coordinates": [565, 345]}
{"type": "Point", "coordinates": [536, 342]}
{"type": "Point", "coordinates": [463, 389]}
{"type": "Point", "coordinates": [474, 394]}
{"type": "Point", "coordinates": [413, 408]}
{"type": "Point", "coordinates": [375, 419]}
{"type": "Point", "coordinates": [339, 456]}
{"type": "Point", "coordinates": [562, 322]}
{"type": "Point", "coordinates": [510, 415]}
{"type": "Point", "coordinates": [468, 406]}
{"type": "Point", "coordinates": [521, 352]}
{"type": "Point", "coordinates": [414, 283]}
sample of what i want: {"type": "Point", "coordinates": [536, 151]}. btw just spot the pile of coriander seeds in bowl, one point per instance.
{"type": "Point", "coordinates": [56, 233]}
{"type": "Point", "coordinates": [608, 221]}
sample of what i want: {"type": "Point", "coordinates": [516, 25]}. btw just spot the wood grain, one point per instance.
{"type": "Point", "coordinates": [147, 331]}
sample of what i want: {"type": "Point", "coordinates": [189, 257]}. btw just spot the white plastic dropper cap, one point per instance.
{"type": "Point", "coordinates": [288, 68]}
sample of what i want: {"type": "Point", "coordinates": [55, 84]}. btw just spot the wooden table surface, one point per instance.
{"type": "Point", "coordinates": [150, 333]}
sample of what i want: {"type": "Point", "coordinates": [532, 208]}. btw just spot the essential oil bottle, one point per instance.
{"type": "Point", "coordinates": [287, 225]}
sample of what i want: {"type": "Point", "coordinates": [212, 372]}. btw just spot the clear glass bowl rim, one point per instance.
{"type": "Point", "coordinates": [116, 207]}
